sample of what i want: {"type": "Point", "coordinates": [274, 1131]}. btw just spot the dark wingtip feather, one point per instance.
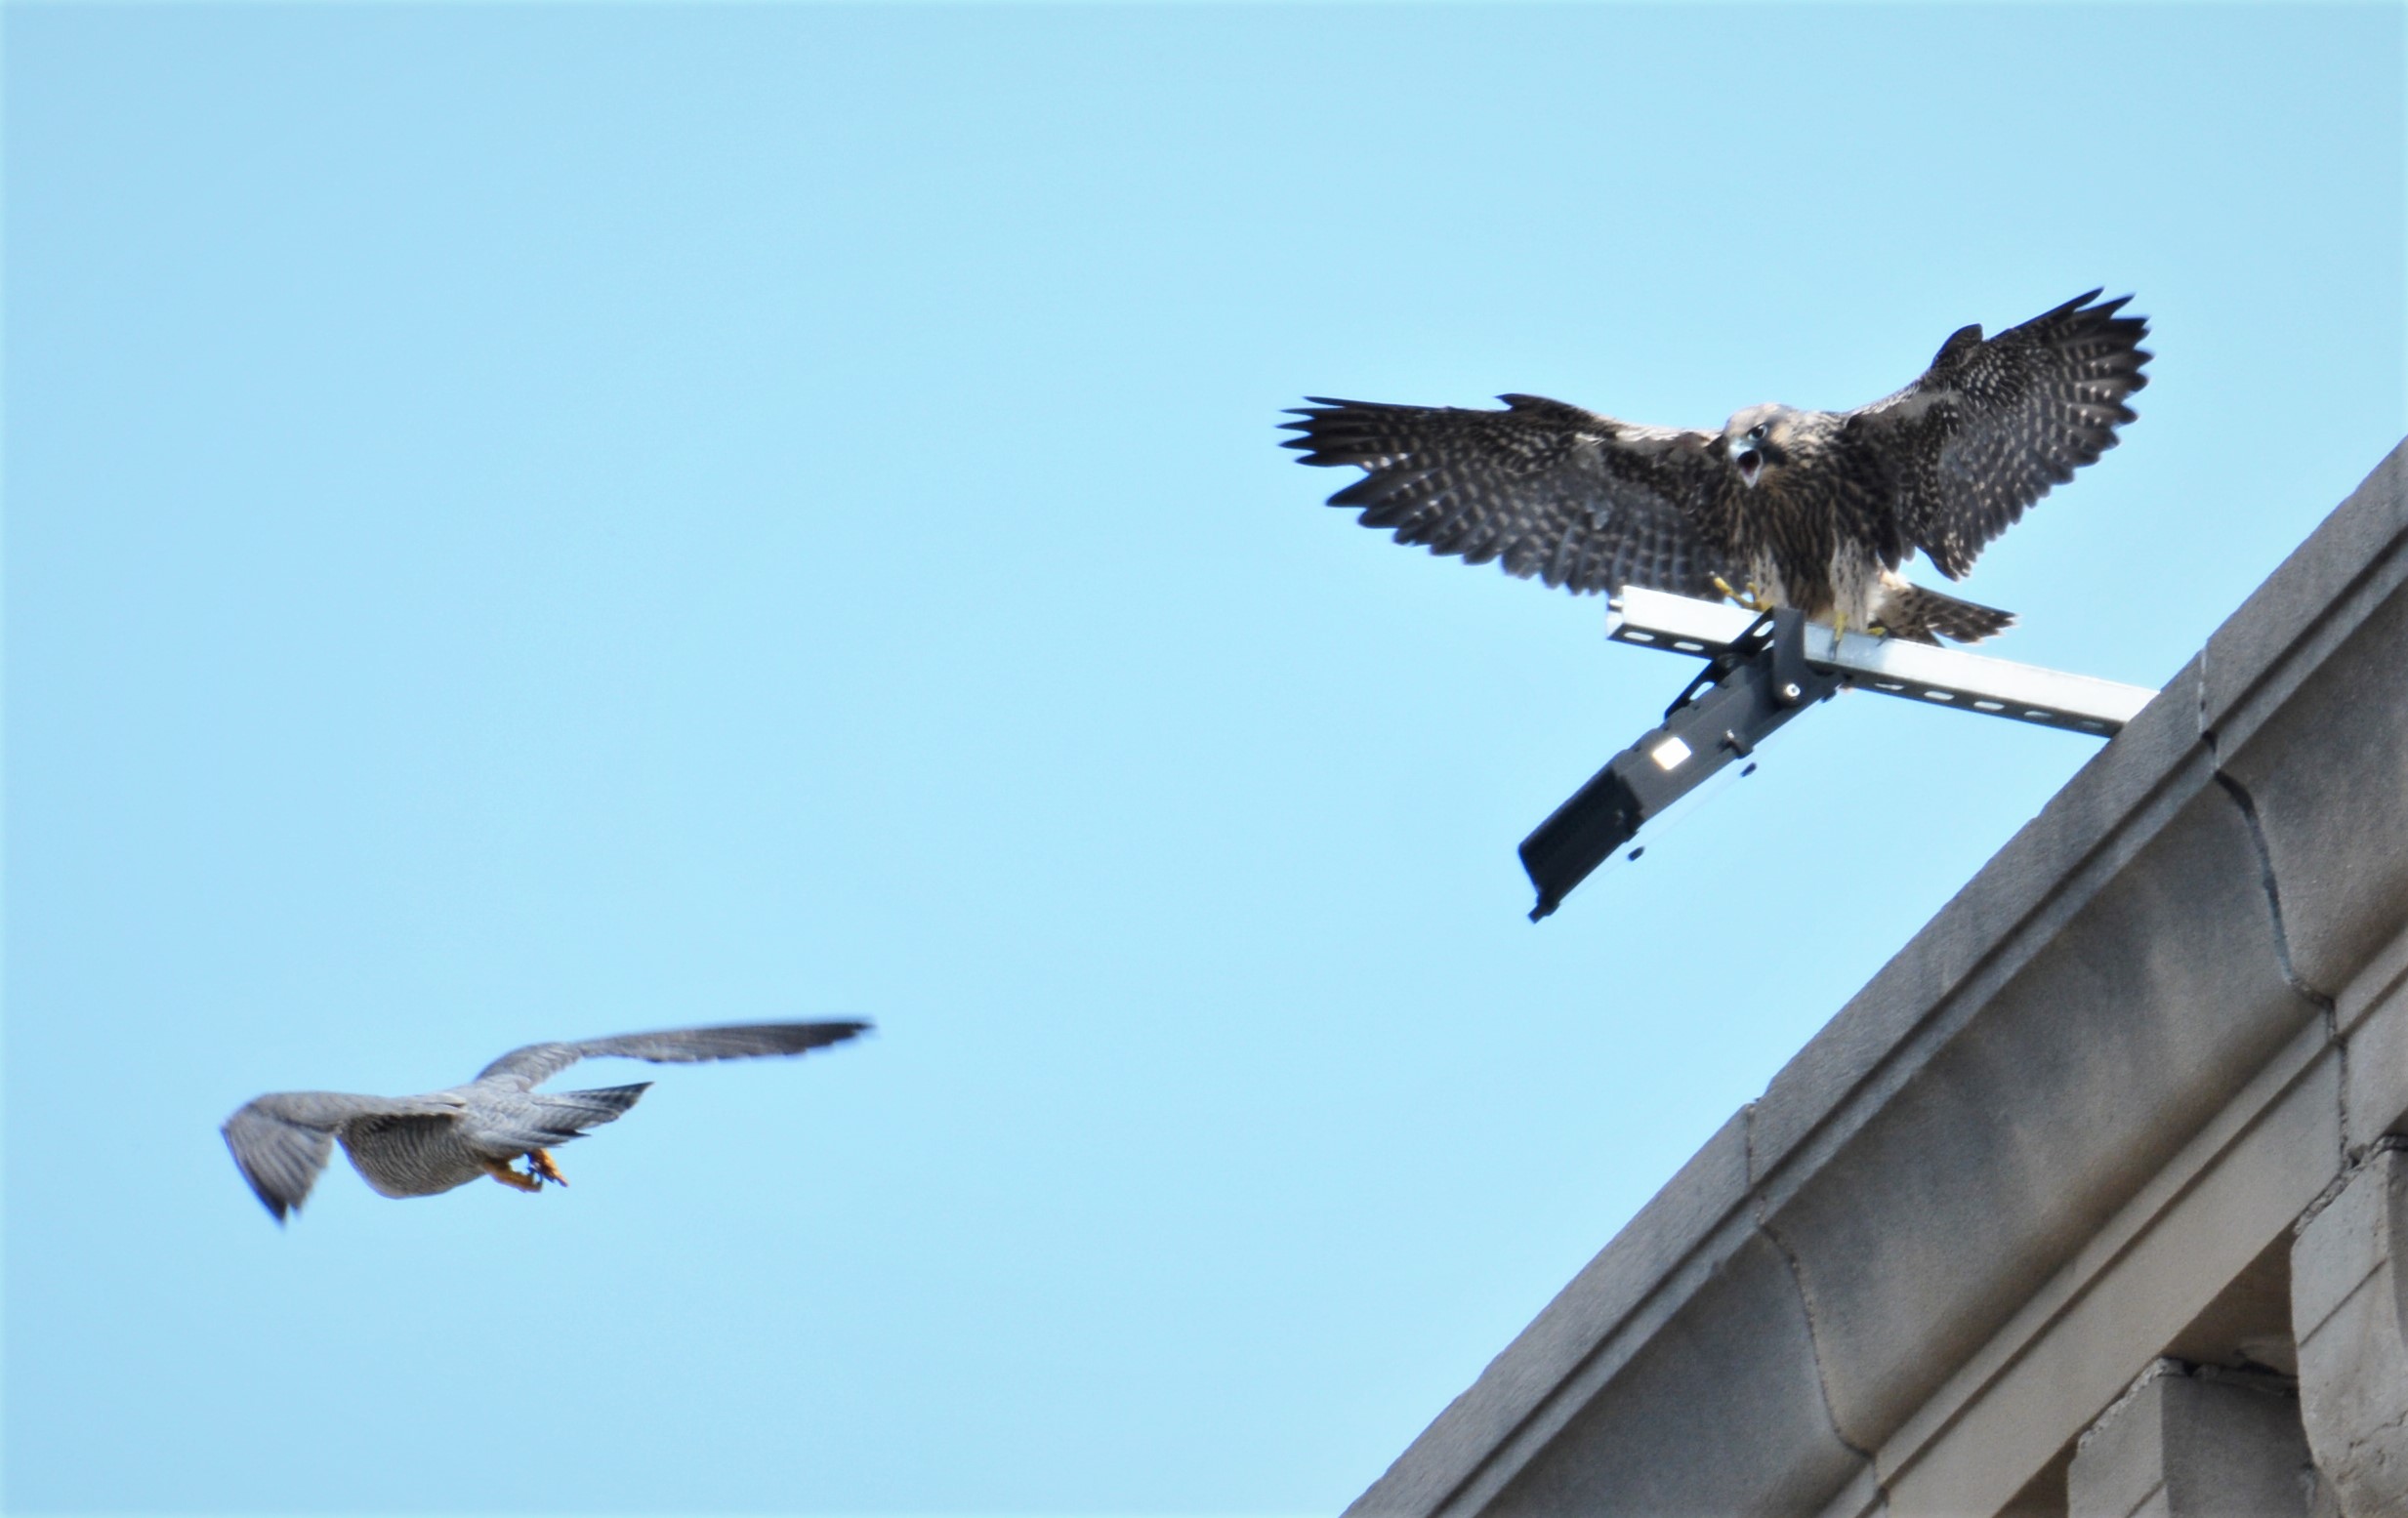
{"type": "Point", "coordinates": [276, 1206]}
{"type": "Point", "coordinates": [2080, 306]}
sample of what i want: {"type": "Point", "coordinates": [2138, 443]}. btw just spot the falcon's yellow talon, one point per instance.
{"type": "Point", "coordinates": [1749, 597]}
{"type": "Point", "coordinates": [539, 1162]}
{"type": "Point", "coordinates": [500, 1170]}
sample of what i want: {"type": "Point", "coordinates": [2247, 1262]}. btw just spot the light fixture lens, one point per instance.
{"type": "Point", "coordinates": [1670, 755]}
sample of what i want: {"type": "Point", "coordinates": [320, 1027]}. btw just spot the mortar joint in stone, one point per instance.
{"type": "Point", "coordinates": [2359, 1159]}
{"type": "Point", "coordinates": [2155, 1371]}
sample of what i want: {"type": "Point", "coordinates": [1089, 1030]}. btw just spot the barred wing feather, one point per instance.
{"type": "Point", "coordinates": [1576, 499]}
{"type": "Point", "coordinates": [1992, 424]}
{"type": "Point", "coordinates": [282, 1141]}
{"type": "Point", "coordinates": [538, 1062]}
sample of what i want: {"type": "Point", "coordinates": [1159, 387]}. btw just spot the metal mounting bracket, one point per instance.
{"type": "Point", "coordinates": [1942, 677]}
{"type": "Point", "coordinates": [1762, 671]}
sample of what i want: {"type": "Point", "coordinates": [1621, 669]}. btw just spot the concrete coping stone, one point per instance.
{"type": "Point", "coordinates": [2286, 626]}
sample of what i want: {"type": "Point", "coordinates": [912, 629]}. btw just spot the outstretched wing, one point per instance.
{"type": "Point", "coordinates": [280, 1141]}
{"type": "Point", "coordinates": [1577, 499]}
{"type": "Point", "coordinates": [1992, 424]}
{"type": "Point", "coordinates": [538, 1062]}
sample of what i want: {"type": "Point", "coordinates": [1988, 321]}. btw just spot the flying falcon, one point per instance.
{"type": "Point", "coordinates": [415, 1146]}
{"type": "Point", "coordinates": [1814, 509]}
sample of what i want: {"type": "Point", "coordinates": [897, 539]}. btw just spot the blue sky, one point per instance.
{"type": "Point", "coordinates": [544, 521]}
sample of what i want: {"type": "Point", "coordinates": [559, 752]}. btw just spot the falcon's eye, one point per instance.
{"type": "Point", "coordinates": [1756, 434]}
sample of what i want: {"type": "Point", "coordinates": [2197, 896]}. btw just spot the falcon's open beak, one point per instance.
{"type": "Point", "coordinates": [1749, 463]}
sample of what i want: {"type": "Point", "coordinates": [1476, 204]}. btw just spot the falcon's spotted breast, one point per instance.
{"type": "Point", "coordinates": [1814, 509]}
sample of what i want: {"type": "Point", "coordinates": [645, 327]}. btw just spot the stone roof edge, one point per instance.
{"type": "Point", "coordinates": [2082, 838]}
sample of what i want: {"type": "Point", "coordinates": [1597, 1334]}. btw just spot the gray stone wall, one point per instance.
{"type": "Point", "coordinates": [2187, 1441]}
{"type": "Point", "coordinates": [2349, 1313]}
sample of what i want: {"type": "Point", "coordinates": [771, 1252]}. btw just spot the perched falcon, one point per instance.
{"type": "Point", "coordinates": [415, 1146]}
{"type": "Point", "coordinates": [1814, 509]}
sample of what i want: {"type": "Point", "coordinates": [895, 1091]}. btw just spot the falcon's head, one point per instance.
{"type": "Point", "coordinates": [1762, 440]}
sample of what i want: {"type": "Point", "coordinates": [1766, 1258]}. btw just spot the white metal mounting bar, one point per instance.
{"type": "Point", "coordinates": [1681, 624]}
{"type": "Point", "coordinates": [1919, 671]}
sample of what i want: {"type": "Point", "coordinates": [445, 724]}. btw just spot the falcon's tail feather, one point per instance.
{"type": "Point", "coordinates": [1923, 616]}
{"type": "Point", "coordinates": [564, 1114]}
{"type": "Point", "coordinates": [552, 1118]}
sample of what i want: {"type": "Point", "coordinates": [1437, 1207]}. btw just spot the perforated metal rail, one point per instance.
{"type": "Point", "coordinates": [1919, 671]}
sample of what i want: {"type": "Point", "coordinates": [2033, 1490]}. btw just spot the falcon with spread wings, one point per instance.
{"type": "Point", "coordinates": [416, 1146]}
{"type": "Point", "coordinates": [1814, 509]}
